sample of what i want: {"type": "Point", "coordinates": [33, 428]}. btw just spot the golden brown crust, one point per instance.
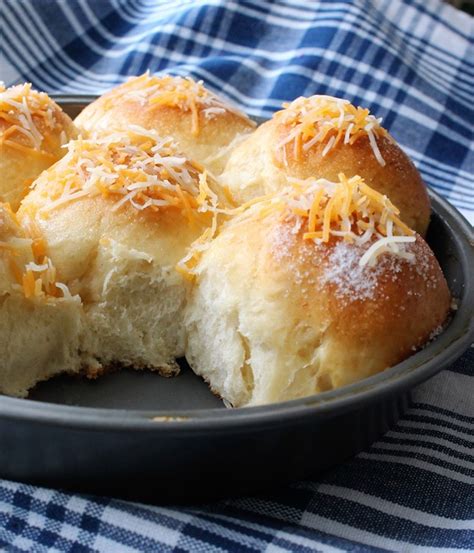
{"type": "Point", "coordinates": [381, 313]}
{"type": "Point", "coordinates": [199, 134]}
{"type": "Point", "coordinates": [261, 165]}
{"type": "Point", "coordinates": [399, 179]}
{"type": "Point", "coordinates": [22, 159]}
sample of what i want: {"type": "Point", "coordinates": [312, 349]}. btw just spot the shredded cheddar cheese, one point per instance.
{"type": "Point", "coordinates": [38, 281]}
{"type": "Point", "coordinates": [135, 167]}
{"type": "Point", "coordinates": [184, 93]}
{"type": "Point", "coordinates": [35, 279]}
{"type": "Point", "coordinates": [27, 120]}
{"type": "Point", "coordinates": [347, 210]}
{"type": "Point", "coordinates": [351, 210]}
{"type": "Point", "coordinates": [330, 121]}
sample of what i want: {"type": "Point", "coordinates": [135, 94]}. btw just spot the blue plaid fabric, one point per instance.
{"type": "Point", "coordinates": [411, 62]}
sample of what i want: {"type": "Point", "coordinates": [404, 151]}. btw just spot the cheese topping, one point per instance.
{"type": "Point", "coordinates": [184, 93]}
{"type": "Point", "coordinates": [39, 281]}
{"type": "Point", "coordinates": [330, 121]}
{"type": "Point", "coordinates": [135, 167]}
{"type": "Point", "coordinates": [35, 279]}
{"type": "Point", "coordinates": [23, 112]}
{"type": "Point", "coordinates": [347, 210]}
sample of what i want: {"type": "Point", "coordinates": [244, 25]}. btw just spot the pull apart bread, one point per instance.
{"type": "Point", "coordinates": [116, 215]}
{"type": "Point", "coordinates": [325, 286]}
{"type": "Point", "coordinates": [204, 127]}
{"type": "Point", "coordinates": [279, 278]}
{"type": "Point", "coordinates": [322, 136]}
{"type": "Point", "coordinates": [33, 129]}
{"type": "Point", "coordinates": [40, 322]}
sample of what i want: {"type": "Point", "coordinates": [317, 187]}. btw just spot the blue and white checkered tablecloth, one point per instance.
{"type": "Point", "coordinates": [411, 62]}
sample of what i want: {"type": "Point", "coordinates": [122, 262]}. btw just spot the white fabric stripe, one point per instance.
{"type": "Point", "coordinates": [376, 74]}
{"type": "Point", "coordinates": [450, 182]}
{"type": "Point", "coordinates": [452, 194]}
{"type": "Point", "coordinates": [441, 417]}
{"type": "Point", "coordinates": [302, 14]}
{"type": "Point", "coordinates": [395, 509]}
{"type": "Point", "coordinates": [188, 518]}
{"type": "Point", "coordinates": [8, 73]}
{"type": "Point", "coordinates": [101, 544]}
{"type": "Point", "coordinates": [301, 541]}
{"type": "Point", "coordinates": [448, 390]}
{"type": "Point", "coordinates": [434, 163]}
{"type": "Point", "coordinates": [243, 523]}
{"type": "Point", "coordinates": [467, 213]}
{"type": "Point", "coordinates": [165, 511]}
{"type": "Point", "coordinates": [239, 536]}
{"type": "Point", "coordinates": [134, 523]}
{"type": "Point", "coordinates": [348, 9]}
{"type": "Point", "coordinates": [6, 508]}
{"type": "Point", "coordinates": [351, 533]}
{"type": "Point", "coordinates": [459, 22]}
{"type": "Point", "coordinates": [447, 177]}
{"type": "Point", "coordinates": [118, 39]}
{"type": "Point", "coordinates": [439, 169]}
{"type": "Point", "coordinates": [146, 16]}
{"type": "Point", "coordinates": [335, 10]}
{"type": "Point", "coordinates": [26, 544]}
{"type": "Point", "coordinates": [423, 449]}
{"type": "Point", "coordinates": [463, 21]}
{"type": "Point", "coordinates": [455, 200]}
{"type": "Point", "coordinates": [427, 439]}
{"type": "Point", "coordinates": [272, 548]}
{"type": "Point", "coordinates": [409, 461]}
{"type": "Point", "coordinates": [427, 426]}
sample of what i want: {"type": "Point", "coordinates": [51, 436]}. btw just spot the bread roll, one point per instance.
{"type": "Point", "coordinates": [324, 286]}
{"type": "Point", "coordinates": [33, 129]}
{"type": "Point", "coordinates": [40, 323]}
{"type": "Point", "coordinates": [116, 215]}
{"type": "Point", "coordinates": [204, 126]}
{"type": "Point", "coordinates": [320, 137]}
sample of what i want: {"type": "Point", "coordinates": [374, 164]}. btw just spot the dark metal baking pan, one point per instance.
{"type": "Point", "coordinates": [137, 435]}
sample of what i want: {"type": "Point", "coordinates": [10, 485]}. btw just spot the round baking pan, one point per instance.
{"type": "Point", "coordinates": [137, 435]}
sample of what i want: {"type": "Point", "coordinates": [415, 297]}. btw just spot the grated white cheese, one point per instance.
{"type": "Point", "coordinates": [322, 117]}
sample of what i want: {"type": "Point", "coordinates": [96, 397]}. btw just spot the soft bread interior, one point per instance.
{"type": "Point", "coordinates": [133, 310]}
{"type": "Point", "coordinates": [38, 341]}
